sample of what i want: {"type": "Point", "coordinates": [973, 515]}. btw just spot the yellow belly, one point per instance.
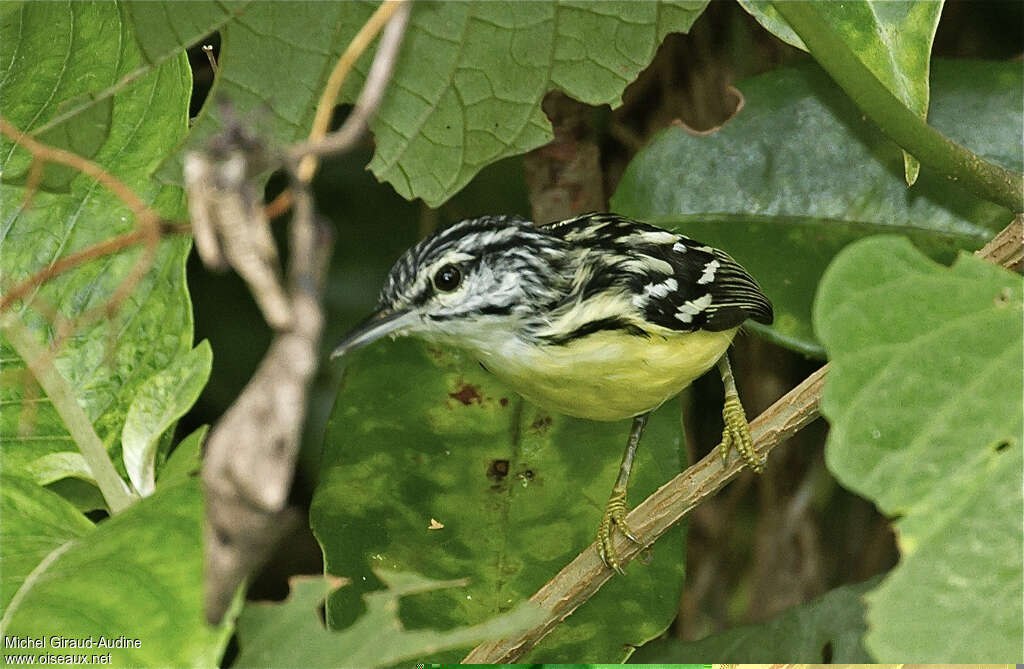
{"type": "Point", "coordinates": [608, 375]}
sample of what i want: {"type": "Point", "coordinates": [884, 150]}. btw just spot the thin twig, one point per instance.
{"type": "Point", "coordinates": [148, 230]}
{"type": "Point", "coordinates": [583, 577]}
{"type": "Point", "coordinates": [1007, 248]}
{"type": "Point", "coordinates": [89, 253]}
{"type": "Point", "coordinates": [319, 143]}
{"type": "Point", "coordinates": [344, 138]}
{"type": "Point", "coordinates": [52, 154]}
{"type": "Point", "coordinates": [208, 50]}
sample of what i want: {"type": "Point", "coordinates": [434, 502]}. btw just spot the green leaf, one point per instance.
{"type": "Point", "coordinates": [161, 401]}
{"type": "Point", "coordinates": [106, 363]}
{"type": "Point", "coordinates": [167, 28]}
{"type": "Point", "coordinates": [765, 14]}
{"type": "Point", "coordinates": [56, 466]}
{"type": "Point", "coordinates": [290, 634]}
{"type": "Point", "coordinates": [828, 629]}
{"type": "Point", "coordinates": [784, 209]}
{"type": "Point", "coordinates": [892, 39]}
{"type": "Point", "coordinates": [467, 87]}
{"type": "Point", "coordinates": [924, 402]}
{"type": "Point", "coordinates": [67, 66]}
{"type": "Point", "coordinates": [136, 575]}
{"type": "Point", "coordinates": [185, 460]}
{"type": "Point", "coordinates": [36, 522]}
{"type": "Point", "coordinates": [423, 438]}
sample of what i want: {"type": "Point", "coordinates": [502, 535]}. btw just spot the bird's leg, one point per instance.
{"type": "Point", "coordinates": [615, 511]}
{"type": "Point", "coordinates": [736, 432]}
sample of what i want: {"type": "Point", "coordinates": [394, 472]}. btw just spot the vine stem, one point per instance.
{"type": "Point", "coordinates": [392, 16]}
{"type": "Point", "coordinates": [583, 577]}
{"type": "Point", "coordinates": [959, 164]}
{"type": "Point", "coordinates": [40, 363]}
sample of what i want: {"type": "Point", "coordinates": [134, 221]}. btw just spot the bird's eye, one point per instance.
{"type": "Point", "coordinates": [447, 278]}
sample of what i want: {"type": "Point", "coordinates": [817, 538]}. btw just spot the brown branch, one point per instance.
{"type": "Point", "coordinates": [564, 177]}
{"type": "Point", "coordinates": [251, 452]}
{"type": "Point", "coordinates": [1007, 248]}
{"type": "Point", "coordinates": [583, 577]}
{"type": "Point", "coordinates": [89, 253]}
{"type": "Point", "coordinates": [148, 231]}
{"type": "Point", "coordinates": [52, 154]}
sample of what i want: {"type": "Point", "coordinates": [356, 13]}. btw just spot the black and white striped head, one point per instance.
{"type": "Point", "coordinates": [464, 282]}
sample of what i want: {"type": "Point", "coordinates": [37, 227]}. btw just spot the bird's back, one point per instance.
{"type": "Point", "coordinates": [642, 312]}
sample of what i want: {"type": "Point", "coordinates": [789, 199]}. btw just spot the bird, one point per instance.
{"type": "Point", "coordinates": [598, 316]}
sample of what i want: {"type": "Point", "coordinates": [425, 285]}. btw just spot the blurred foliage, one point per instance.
{"type": "Point", "coordinates": [924, 400]}
{"type": "Point", "coordinates": [828, 630]}
{"type": "Point", "coordinates": [137, 575]}
{"type": "Point", "coordinates": [107, 362]}
{"type": "Point", "coordinates": [288, 634]}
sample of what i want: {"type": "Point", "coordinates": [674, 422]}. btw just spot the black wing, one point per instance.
{"type": "Point", "coordinates": [676, 282]}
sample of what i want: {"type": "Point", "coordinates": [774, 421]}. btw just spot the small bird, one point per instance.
{"type": "Point", "coordinates": [598, 317]}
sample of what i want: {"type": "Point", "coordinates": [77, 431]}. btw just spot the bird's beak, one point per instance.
{"type": "Point", "coordinates": [379, 324]}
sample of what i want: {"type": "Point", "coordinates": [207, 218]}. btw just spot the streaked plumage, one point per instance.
{"type": "Point", "coordinates": [598, 316]}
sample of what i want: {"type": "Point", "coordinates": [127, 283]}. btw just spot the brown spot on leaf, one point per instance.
{"type": "Point", "coordinates": [503, 401]}
{"type": "Point", "coordinates": [497, 470]}
{"type": "Point", "coordinates": [467, 393]}
{"type": "Point", "coordinates": [541, 424]}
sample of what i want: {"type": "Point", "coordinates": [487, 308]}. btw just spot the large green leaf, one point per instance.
{"type": "Point", "coordinates": [924, 402]}
{"type": "Point", "coordinates": [291, 634]}
{"type": "Point", "coordinates": [468, 85]}
{"type": "Point", "coordinates": [431, 465]}
{"type": "Point", "coordinates": [66, 65]}
{"type": "Point", "coordinates": [136, 575]}
{"type": "Point", "coordinates": [827, 630]}
{"type": "Point", "coordinates": [52, 53]}
{"type": "Point", "coordinates": [798, 174]}
{"type": "Point", "coordinates": [892, 38]}
{"type": "Point", "coordinates": [35, 523]}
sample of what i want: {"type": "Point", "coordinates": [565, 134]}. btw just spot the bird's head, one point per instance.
{"type": "Point", "coordinates": [467, 284]}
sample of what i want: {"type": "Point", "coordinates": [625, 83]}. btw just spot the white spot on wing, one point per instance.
{"type": "Point", "coordinates": [661, 289]}
{"type": "Point", "coordinates": [655, 290]}
{"type": "Point", "coordinates": [691, 308]}
{"type": "Point", "coordinates": [709, 272]}
{"type": "Point", "coordinates": [648, 237]}
{"type": "Point", "coordinates": [679, 247]}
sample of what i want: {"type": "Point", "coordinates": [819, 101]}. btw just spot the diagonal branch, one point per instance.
{"type": "Point", "coordinates": [583, 577]}
{"type": "Point", "coordinates": [251, 452]}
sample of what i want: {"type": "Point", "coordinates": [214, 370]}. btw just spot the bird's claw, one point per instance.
{"type": "Point", "coordinates": [614, 514]}
{"type": "Point", "coordinates": [736, 434]}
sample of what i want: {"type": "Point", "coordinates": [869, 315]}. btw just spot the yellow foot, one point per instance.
{"type": "Point", "coordinates": [614, 514]}
{"type": "Point", "coordinates": [736, 434]}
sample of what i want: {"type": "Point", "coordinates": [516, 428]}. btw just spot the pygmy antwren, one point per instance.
{"type": "Point", "coordinates": [598, 316]}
